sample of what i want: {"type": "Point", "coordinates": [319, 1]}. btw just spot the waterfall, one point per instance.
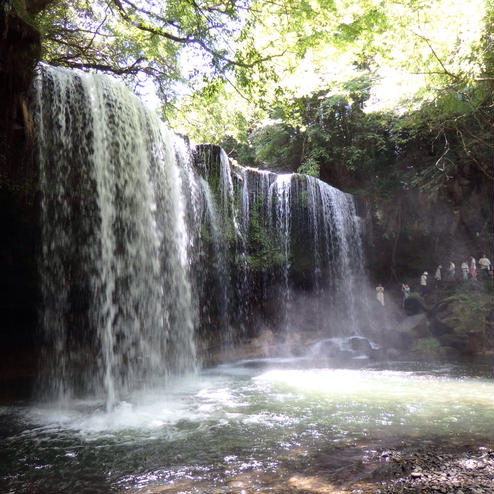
{"type": "Point", "coordinates": [115, 265]}
{"type": "Point", "coordinates": [245, 201]}
{"type": "Point", "coordinates": [279, 214]}
{"type": "Point", "coordinates": [307, 218]}
{"type": "Point", "coordinates": [335, 228]}
{"type": "Point", "coordinates": [221, 271]}
{"type": "Point", "coordinates": [154, 251]}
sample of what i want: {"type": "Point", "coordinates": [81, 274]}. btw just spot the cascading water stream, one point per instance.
{"type": "Point", "coordinates": [116, 287]}
{"type": "Point", "coordinates": [279, 210]}
{"type": "Point", "coordinates": [141, 255]}
{"type": "Point", "coordinates": [227, 194]}
{"type": "Point", "coordinates": [342, 253]}
{"type": "Point", "coordinates": [222, 269]}
{"type": "Point", "coordinates": [245, 201]}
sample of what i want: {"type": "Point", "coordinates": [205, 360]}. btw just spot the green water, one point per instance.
{"type": "Point", "coordinates": [237, 427]}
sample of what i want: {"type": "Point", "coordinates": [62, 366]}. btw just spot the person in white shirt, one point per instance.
{"type": "Point", "coordinates": [451, 270]}
{"type": "Point", "coordinates": [473, 268]}
{"type": "Point", "coordinates": [380, 294]}
{"type": "Point", "coordinates": [423, 282]}
{"type": "Point", "coordinates": [464, 270]}
{"type": "Point", "coordinates": [437, 274]}
{"type": "Point", "coordinates": [484, 264]}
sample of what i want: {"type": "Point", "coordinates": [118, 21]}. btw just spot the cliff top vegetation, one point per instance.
{"type": "Point", "coordinates": [334, 88]}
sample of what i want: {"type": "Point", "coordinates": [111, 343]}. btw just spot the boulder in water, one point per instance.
{"type": "Point", "coordinates": [360, 345]}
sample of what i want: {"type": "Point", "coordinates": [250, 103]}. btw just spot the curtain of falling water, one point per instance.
{"type": "Point", "coordinates": [338, 252]}
{"type": "Point", "coordinates": [222, 271]}
{"type": "Point", "coordinates": [279, 209]}
{"type": "Point", "coordinates": [133, 240]}
{"type": "Point", "coordinates": [115, 282]}
{"type": "Point", "coordinates": [327, 226]}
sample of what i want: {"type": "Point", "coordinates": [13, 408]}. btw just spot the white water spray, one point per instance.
{"type": "Point", "coordinates": [115, 241]}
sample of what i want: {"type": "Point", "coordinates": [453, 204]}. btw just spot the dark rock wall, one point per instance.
{"type": "Point", "coordinates": [415, 231]}
{"type": "Point", "coordinates": [19, 53]}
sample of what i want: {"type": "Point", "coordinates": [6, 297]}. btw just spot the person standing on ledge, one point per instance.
{"type": "Point", "coordinates": [405, 290]}
{"type": "Point", "coordinates": [473, 268]}
{"type": "Point", "coordinates": [423, 282]}
{"type": "Point", "coordinates": [380, 294]}
{"type": "Point", "coordinates": [451, 271]}
{"type": "Point", "coordinates": [437, 275]}
{"type": "Point", "coordinates": [464, 270]}
{"type": "Point", "coordinates": [484, 267]}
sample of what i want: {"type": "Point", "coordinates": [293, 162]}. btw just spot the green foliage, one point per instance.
{"type": "Point", "coordinates": [400, 55]}
{"type": "Point", "coordinates": [276, 146]}
{"type": "Point", "coordinates": [316, 44]}
{"type": "Point", "coordinates": [426, 347]}
{"type": "Point", "coordinates": [310, 167]}
{"type": "Point", "coordinates": [263, 252]}
{"type": "Point", "coordinates": [324, 134]}
{"type": "Point", "coordinates": [469, 311]}
{"type": "Point", "coordinates": [144, 41]}
{"type": "Point", "coordinates": [455, 133]}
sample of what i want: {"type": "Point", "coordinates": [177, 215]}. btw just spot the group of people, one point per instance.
{"type": "Point", "coordinates": [468, 271]}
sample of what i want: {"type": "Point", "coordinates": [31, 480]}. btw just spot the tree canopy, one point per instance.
{"type": "Point", "coordinates": [144, 40]}
{"type": "Point", "coordinates": [407, 51]}
{"type": "Point", "coordinates": [359, 84]}
{"type": "Point", "coordinates": [303, 84]}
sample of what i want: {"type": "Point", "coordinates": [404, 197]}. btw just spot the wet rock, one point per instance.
{"type": "Point", "coordinates": [414, 305]}
{"type": "Point", "coordinates": [393, 354]}
{"type": "Point", "coordinates": [416, 325]}
{"type": "Point", "coordinates": [360, 345]}
{"type": "Point", "coordinates": [454, 341]}
{"type": "Point", "coordinates": [450, 353]}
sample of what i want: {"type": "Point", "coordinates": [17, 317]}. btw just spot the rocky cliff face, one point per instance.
{"type": "Point", "coordinates": [416, 230]}
{"type": "Point", "coordinates": [19, 53]}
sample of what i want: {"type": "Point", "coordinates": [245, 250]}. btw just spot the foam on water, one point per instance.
{"type": "Point", "coordinates": [225, 394]}
{"type": "Point", "coordinates": [227, 421]}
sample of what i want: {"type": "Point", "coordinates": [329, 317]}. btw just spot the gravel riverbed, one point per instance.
{"type": "Point", "coordinates": [441, 471]}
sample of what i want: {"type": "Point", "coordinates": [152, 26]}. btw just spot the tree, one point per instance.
{"type": "Point", "coordinates": [146, 40]}
{"type": "Point", "coordinates": [410, 51]}
{"type": "Point", "coordinates": [436, 56]}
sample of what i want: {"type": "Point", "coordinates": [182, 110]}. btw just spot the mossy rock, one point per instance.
{"type": "Point", "coordinates": [465, 312]}
{"type": "Point", "coordinates": [427, 348]}
{"type": "Point", "coordinates": [416, 325]}
{"type": "Point", "coordinates": [415, 304]}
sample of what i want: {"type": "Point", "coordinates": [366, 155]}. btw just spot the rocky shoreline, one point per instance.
{"type": "Point", "coordinates": [441, 471]}
{"type": "Point", "coordinates": [407, 469]}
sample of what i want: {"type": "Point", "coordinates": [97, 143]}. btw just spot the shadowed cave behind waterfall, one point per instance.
{"type": "Point", "coordinates": [156, 252]}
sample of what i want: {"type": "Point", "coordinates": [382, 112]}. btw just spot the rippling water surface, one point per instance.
{"type": "Point", "coordinates": [245, 424]}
